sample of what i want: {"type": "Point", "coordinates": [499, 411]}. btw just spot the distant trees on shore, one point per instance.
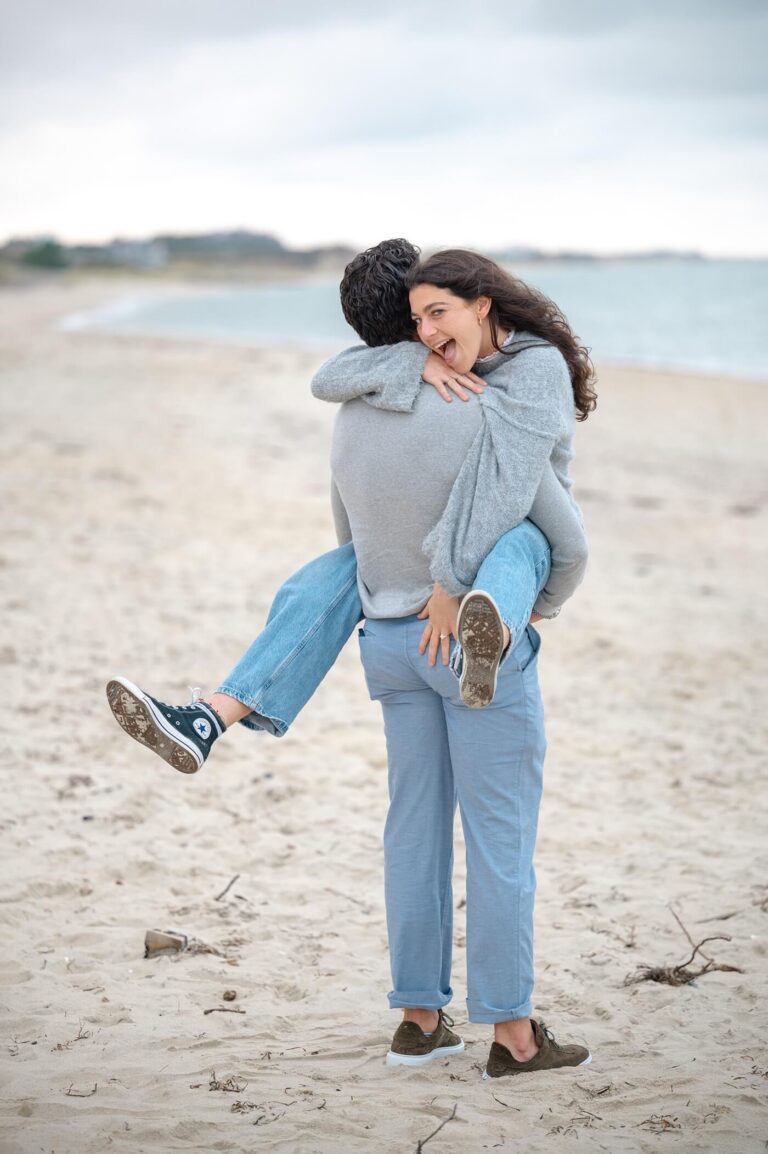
{"type": "Point", "coordinates": [238, 247]}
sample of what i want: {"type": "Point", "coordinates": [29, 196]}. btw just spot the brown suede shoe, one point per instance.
{"type": "Point", "coordinates": [412, 1047]}
{"type": "Point", "coordinates": [480, 632]}
{"type": "Point", "coordinates": [550, 1056]}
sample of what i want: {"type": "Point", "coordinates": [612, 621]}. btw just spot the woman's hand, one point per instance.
{"type": "Point", "coordinates": [438, 373]}
{"type": "Point", "coordinates": [442, 611]}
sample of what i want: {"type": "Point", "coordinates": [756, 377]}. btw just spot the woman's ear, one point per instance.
{"type": "Point", "coordinates": [483, 307]}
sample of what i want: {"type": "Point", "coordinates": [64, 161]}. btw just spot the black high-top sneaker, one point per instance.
{"type": "Point", "coordinates": [480, 632]}
{"type": "Point", "coordinates": [181, 734]}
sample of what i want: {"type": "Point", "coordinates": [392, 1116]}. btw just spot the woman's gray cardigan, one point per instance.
{"type": "Point", "coordinates": [527, 430]}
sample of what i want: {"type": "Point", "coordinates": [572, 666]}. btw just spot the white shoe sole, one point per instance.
{"type": "Point", "coordinates": [480, 632]}
{"type": "Point", "coordinates": [143, 721]}
{"type": "Point", "coordinates": [587, 1061]}
{"type": "Point", "coordinates": [394, 1059]}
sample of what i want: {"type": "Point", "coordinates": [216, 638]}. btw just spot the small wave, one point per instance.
{"type": "Point", "coordinates": [108, 315]}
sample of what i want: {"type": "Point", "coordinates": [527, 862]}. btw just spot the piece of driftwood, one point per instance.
{"type": "Point", "coordinates": [681, 975]}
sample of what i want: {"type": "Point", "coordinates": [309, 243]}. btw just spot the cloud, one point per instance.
{"type": "Point", "coordinates": [678, 43]}
{"type": "Point", "coordinates": [185, 110]}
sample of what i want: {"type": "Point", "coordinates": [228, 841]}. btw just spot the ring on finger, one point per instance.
{"type": "Point", "coordinates": [443, 636]}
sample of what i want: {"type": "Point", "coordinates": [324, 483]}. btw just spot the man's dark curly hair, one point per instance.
{"type": "Point", "coordinates": [374, 297]}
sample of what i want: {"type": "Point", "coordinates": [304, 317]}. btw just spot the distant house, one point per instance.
{"type": "Point", "coordinates": [119, 254]}
{"type": "Point", "coordinates": [138, 253]}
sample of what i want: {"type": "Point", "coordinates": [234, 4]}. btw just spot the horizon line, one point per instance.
{"type": "Point", "coordinates": [523, 248]}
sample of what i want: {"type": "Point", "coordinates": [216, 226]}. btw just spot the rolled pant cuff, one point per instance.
{"type": "Point", "coordinates": [419, 1000]}
{"type": "Point", "coordinates": [484, 1014]}
{"type": "Point", "coordinates": [256, 720]}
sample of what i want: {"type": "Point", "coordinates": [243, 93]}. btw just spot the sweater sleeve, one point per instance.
{"type": "Point", "coordinates": [557, 515]}
{"type": "Point", "coordinates": [386, 378]}
{"type": "Point", "coordinates": [528, 407]}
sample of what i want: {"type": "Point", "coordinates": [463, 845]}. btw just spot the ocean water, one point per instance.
{"type": "Point", "coordinates": [703, 315]}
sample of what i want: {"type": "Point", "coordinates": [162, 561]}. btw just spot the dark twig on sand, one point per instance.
{"type": "Point", "coordinates": [597, 1091]}
{"type": "Point", "coordinates": [423, 1141]}
{"type": "Point", "coordinates": [726, 917]}
{"type": "Point", "coordinates": [223, 1010]}
{"type": "Point", "coordinates": [507, 1104]}
{"type": "Point", "coordinates": [73, 1093]}
{"type": "Point", "coordinates": [349, 897]}
{"type": "Point", "coordinates": [660, 1123]}
{"type": "Point", "coordinates": [230, 1085]}
{"type": "Point", "coordinates": [691, 942]}
{"type": "Point", "coordinates": [226, 889]}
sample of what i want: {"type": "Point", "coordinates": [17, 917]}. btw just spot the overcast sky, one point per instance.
{"type": "Point", "coordinates": [564, 124]}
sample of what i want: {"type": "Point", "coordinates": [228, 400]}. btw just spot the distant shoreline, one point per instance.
{"type": "Point", "coordinates": [226, 312]}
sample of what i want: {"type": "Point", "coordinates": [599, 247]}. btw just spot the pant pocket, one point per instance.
{"type": "Point", "coordinates": [525, 651]}
{"type": "Point", "coordinates": [372, 659]}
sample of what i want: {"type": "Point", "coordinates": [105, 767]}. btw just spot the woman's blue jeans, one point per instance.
{"type": "Point", "coordinates": [489, 761]}
{"type": "Point", "coordinates": [316, 610]}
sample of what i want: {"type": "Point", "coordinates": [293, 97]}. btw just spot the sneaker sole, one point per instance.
{"type": "Point", "coordinates": [142, 721]}
{"type": "Point", "coordinates": [587, 1061]}
{"type": "Point", "coordinates": [395, 1059]}
{"type": "Point", "coordinates": [480, 633]}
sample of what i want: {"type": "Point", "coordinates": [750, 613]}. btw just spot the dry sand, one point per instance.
{"type": "Point", "coordinates": [155, 493]}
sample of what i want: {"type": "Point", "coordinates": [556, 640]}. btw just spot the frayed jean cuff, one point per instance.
{"type": "Point", "coordinates": [256, 720]}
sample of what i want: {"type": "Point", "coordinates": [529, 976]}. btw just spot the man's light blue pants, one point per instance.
{"type": "Point", "coordinates": [490, 762]}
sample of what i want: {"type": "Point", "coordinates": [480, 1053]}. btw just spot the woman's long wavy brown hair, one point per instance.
{"type": "Point", "coordinates": [514, 305]}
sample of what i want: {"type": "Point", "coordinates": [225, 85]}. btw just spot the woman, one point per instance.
{"type": "Point", "coordinates": [390, 481]}
{"type": "Point", "coordinates": [316, 610]}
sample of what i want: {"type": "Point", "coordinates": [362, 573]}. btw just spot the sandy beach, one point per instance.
{"type": "Point", "coordinates": [155, 493]}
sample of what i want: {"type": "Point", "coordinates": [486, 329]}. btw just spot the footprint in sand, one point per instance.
{"type": "Point", "coordinates": [12, 974]}
{"type": "Point", "coordinates": [289, 991]}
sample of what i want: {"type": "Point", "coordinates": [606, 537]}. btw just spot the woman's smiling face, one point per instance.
{"type": "Point", "coordinates": [456, 329]}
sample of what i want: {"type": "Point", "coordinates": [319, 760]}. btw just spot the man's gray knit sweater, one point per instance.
{"type": "Point", "coordinates": [425, 489]}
